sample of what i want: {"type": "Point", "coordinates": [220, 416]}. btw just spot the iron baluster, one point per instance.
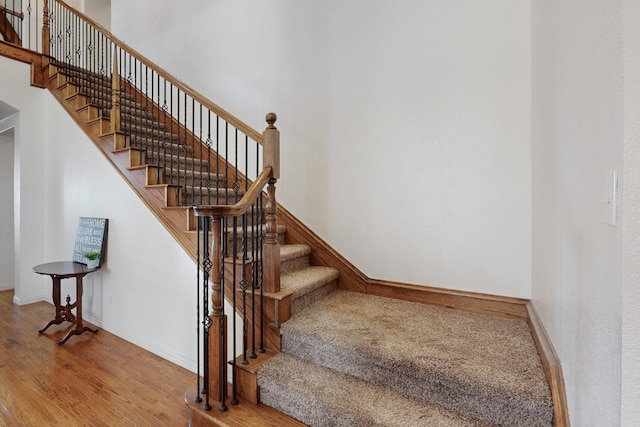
{"type": "Point", "coordinates": [244, 282]}
{"type": "Point", "coordinates": [226, 159]}
{"type": "Point", "coordinates": [171, 132]}
{"type": "Point", "coordinates": [193, 144]}
{"type": "Point", "coordinates": [223, 326]}
{"type": "Point", "coordinates": [209, 143]}
{"type": "Point", "coordinates": [193, 159]}
{"type": "Point", "coordinates": [206, 268]}
{"type": "Point", "coordinates": [198, 397]}
{"type": "Point", "coordinates": [234, 258]}
{"type": "Point", "coordinates": [218, 159]}
{"type": "Point", "coordinates": [158, 112]}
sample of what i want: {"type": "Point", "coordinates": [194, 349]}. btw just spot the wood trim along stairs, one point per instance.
{"type": "Point", "coordinates": [27, 56]}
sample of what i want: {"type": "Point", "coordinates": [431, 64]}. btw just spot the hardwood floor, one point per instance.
{"type": "Point", "coordinates": [91, 380]}
{"type": "Point", "coordinates": [97, 380]}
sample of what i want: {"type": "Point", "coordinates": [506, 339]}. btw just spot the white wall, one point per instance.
{"type": "Point", "coordinates": [29, 143]}
{"type": "Point", "coordinates": [630, 366]}
{"type": "Point", "coordinates": [7, 258]}
{"type": "Point", "coordinates": [405, 125]}
{"type": "Point", "coordinates": [99, 11]}
{"type": "Point", "coordinates": [577, 138]}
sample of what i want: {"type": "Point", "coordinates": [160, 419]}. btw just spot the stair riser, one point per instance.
{"type": "Point", "coordinates": [139, 124]}
{"type": "Point", "coordinates": [294, 264]}
{"type": "Point", "coordinates": [172, 161]}
{"type": "Point", "coordinates": [196, 182]}
{"type": "Point", "coordinates": [202, 196]}
{"type": "Point", "coordinates": [153, 150]}
{"type": "Point", "coordinates": [125, 104]}
{"type": "Point", "coordinates": [100, 96]}
{"type": "Point", "coordinates": [132, 128]}
{"type": "Point", "coordinates": [129, 113]}
{"type": "Point", "coordinates": [308, 299]}
{"type": "Point", "coordinates": [95, 77]}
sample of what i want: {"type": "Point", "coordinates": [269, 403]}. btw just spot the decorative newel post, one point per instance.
{"type": "Point", "coordinates": [218, 344]}
{"type": "Point", "coordinates": [115, 94]}
{"type": "Point", "coordinates": [45, 29]}
{"type": "Point", "coordinates": [271, 250]}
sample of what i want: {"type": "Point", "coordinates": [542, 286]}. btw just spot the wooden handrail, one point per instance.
{"type": "Point", "coordinates": [11, 12]}
{"type": "Point", "coordinates": [243, 204]}
{"type": "Point", "coordinates": [222, 113]}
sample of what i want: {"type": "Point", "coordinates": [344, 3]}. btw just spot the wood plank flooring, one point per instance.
{"type": "Point", "coordinates": [92, 380]}
{"type": "Point", "coordinates": [96, 380]}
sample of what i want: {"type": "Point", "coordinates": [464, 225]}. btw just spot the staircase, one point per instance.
{"type": "Point", "coordinates": [356, 359]}
{"type": "Point", "coordinates": [334, 349]}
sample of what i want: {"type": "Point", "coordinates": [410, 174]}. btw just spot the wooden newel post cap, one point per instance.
{"type": "Point", "coordinates": [271, 120]}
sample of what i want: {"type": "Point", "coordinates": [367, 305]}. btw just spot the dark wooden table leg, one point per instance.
{"type": "Point", "coordinates": [60, 310]}
{"type": "Point", "coordinates": [80, 328]}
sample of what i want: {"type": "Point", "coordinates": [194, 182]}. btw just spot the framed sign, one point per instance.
{"type": "Point", "coordinates": [91, 237]}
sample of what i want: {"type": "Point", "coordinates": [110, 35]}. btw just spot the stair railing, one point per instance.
{"type": "Point", "coordinates": [11, 19]}
{"type": "Point", "coordinates": [246, 268]}
{"type": "Point", "coordinates": [208, 161]}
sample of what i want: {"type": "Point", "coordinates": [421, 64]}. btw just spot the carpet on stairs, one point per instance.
{"type": "Point", "coordinates": [347, 349]}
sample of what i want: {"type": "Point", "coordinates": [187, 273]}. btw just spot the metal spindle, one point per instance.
{"type": "Point", "coordinates": [234, 257]}
{"type": "Point", "coordinates": [75, 34]}
{"type": "Point", "coordinates": [218, 160]}
{"type": "Point", "coordinates": [186, 163]}
{"type": "Point", "coordinates": [206, 268]}
{"type": "Point", "coordinates": [244, 283]}
{"type": "Point", "coordinates": [201, 158]}
{"type": "Point", "coordinates": [158, 113]}
{"type": "Point", "coordinates": [226, 159]}
{"type": "Point", "coordinates": [171, 132]}
{"type": "Point", "coordinates": [208, 170]}
{"type": "Point", "coordinates": [223, 329]}
{"type": "Point", "coordinates": [193, 159]}
{"type": "Point", "coordinates": [145, 128]}
{"type": "Point", "coordinates": [198, 397]}
{"type": "Point", "coordinates": [28, 36]}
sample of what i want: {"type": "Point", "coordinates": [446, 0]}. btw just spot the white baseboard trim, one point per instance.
{"type": "Point", "coordinates": [30, 300]}
{"type": "Point", "coordinates": [180, 360]}
{"type": "Point", "coordinates": [5, 287]}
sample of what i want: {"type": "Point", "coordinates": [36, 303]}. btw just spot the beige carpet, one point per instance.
{"type": "Point", "coordinates": [387, 362]}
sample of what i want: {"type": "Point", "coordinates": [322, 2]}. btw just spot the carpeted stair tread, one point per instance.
{"type": "Point", "coordinates": [481, 366]}
{"type": "Point", "coordinates": [292, 251]}
{"type": "Point", "coordinates": [320, 396]}
{"type": "Point", "coordinates": [307, 280]}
